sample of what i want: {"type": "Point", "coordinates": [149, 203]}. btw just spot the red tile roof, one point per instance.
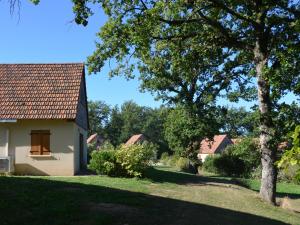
{"type": "Point", "coordinates": [92, 138]}
{"type": "Point", "coordinates": [212, 146]}
{"type": "Point", "coordinates": [135, 139]}
{"type": "Point", "coordinates": [40, 91]}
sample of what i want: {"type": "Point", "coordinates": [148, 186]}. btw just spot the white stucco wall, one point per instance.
{"type": "Point", "coordinates": [3, 141]}
{"type": "Point", "coordinates": [202, 157]}
{"type": "Point", "coordinates": [77, 131]}
{"type": "Point", "coordinates": [63, 146]}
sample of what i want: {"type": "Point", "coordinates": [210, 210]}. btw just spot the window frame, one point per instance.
{"type": "Point", "coordinates": [40, 140]}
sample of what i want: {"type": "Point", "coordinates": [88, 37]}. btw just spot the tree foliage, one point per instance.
{"type": "Point", "coordinates": [239, 122]}
{"type": "Point", "coordinates": [292, 156]}
{"type": "Point", "coordinates": [118, 124]}
{"type": "Point", "coordinates": [98, 112]}
{"type": "Point", "coordinates": [184, 130]}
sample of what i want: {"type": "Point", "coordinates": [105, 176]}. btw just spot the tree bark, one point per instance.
{"type": "Point", "coordinates": [268, 151]}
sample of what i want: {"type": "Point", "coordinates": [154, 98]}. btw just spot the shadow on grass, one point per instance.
{"type": "Point", "coordinates": [39, 201]}
{"type": "Point", "coordinates": [163, 175]}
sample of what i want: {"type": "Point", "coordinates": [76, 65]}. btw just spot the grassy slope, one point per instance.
{"type": "Point", "coordinates": [166, 197]}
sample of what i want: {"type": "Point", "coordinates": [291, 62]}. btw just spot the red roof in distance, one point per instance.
{"type": "Point", "coordinates": [135, 139]}
{"type": "Point", "coordinates": [218, 143]}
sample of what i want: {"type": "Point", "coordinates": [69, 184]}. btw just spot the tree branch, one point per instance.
{"type": "Point", "coordinates": [231, 41]}
{"type": "Point", "coordinates": [233, 13]}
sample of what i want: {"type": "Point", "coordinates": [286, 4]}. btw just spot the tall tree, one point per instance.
{"type": "Point", "coordinates": [261, 36]}
{"type": "Point", "coordinates": [114, 127]}
{"type": "Point", "coordinates": [98, 117]}
{"type": "Point", "coordinates": [133, 117]}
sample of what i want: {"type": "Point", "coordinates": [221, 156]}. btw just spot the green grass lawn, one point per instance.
{"type": "Point", "coordinates": [283, 188]}
{"type": "Point", "coordinates": [165, 197]}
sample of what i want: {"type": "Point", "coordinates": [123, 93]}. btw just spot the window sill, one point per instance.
{"type": "Point", "coordinates": [40, 156]}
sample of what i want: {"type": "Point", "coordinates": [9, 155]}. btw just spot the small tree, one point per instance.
{"type": "Point", "coordinates": [184, 130]}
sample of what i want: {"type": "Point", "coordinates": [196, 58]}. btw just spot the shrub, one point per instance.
{"type": "Point", "coordinates": [164, 158]}
{"type": "Point", "coordinates": [105, 162]}
{"type": "Point", "coordinates": [123, 161]}
{"type": "Point", "coordinates": [246, 150]}
{"type": "Point", "coordinates": [227, 165]}
{"type": "Point", "coordinates": [135, 159]}
{"type": "Point", "coordinates": [256, 173]}
{"type": "Point", "coordinates": [230, 165]}
{"type": "Point", "coordinates": [182, 164]}
{"type": "Point", "coordinates": [289, 174]}
{"type": "Point", "coordinates": [164, 155]}
{"type": "Point", "coordinates": [290, 160]}
{"type": "Point", "coordinates": [168, 160]}
{"type": "Point", "coordinates": [172, 160]}
{"type": "Point", "coordinates": [209, 164]}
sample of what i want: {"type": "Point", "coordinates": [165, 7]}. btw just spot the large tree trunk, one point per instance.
{"type": "Point", "coordinates": [268, 152]}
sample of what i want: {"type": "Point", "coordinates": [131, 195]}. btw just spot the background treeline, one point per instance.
{"type": "Point", "coordinates": [162, 125]}
{"type": "Point", "coordinates": [171, 129]}
{"type": "Point", "coordinates": [117, 124]}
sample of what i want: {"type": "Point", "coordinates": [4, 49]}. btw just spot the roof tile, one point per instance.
{"type": "Point", "coordinates": [39, 91]}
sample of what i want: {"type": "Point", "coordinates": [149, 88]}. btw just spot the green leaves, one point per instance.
{"type": "Point", "coordinates": [184, 130]}
{"type": "Point", "coordinates": [35, 1]}
{"type": "Point", "coordinates": [292, 156]}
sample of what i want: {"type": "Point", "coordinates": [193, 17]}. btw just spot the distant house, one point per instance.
{"type": "Point", "coordinates": [43, 118]}
{"type": "Point", "coordinates": [95, 139]}
{"type": "Point", "coordinates": [135, 139]}
{"type": "Point", "coordinates": [215, 146]}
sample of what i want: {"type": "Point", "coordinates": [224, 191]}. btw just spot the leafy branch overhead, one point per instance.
{"type": "Point", "coordinates": [175, 62]}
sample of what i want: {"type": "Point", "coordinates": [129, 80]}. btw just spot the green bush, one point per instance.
{"type": "Point", "coordinates": [230, 165]}
{"type": "Point", "coordinates": [172, 160]}
{"type": "Point", "coordinates": [164, 155]}
{"type": "Point", "coordinates": [105, 162]}
{"type": "Point", "coordinates": [209, 164]}
{"type": "Point", "coordinates": [182, 164]}
{"type": "Point", "coordinates": [289, 163]}
{"type": "Point", "coordinates": [164, 158]}
{"type": "Point", "coordinates": [289, 174]}
{"type": "Point", "coordinates": [246, 150]}
{"type": "Point", "coordinates": [124, 161]}
{"type": "Point", "coordinates": [168, 160]}
{"type": "Point", "coordinates": [135, 159]}
{"type": "Point", "coordinates": [224, 164]}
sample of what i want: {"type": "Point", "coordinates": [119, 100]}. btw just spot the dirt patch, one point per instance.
{"type": "Point", "coordinates": [112, 208]}
{"type": "Point", "coordinates": [215, 184]}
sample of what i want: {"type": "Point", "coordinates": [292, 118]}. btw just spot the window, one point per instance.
{"type": "Point", "coordinates": [40, 142]}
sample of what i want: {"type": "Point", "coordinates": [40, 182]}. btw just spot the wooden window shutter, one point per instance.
{"type": "Point", "coordinates": [40, 142]}
{"type": "Point", "coordinates": [45, 144]}
{"type": "Point", "coordinates": [35, 144]}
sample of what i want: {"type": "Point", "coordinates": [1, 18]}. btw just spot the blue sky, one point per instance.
{"type": "Point", "coordinates": [46, 33]}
